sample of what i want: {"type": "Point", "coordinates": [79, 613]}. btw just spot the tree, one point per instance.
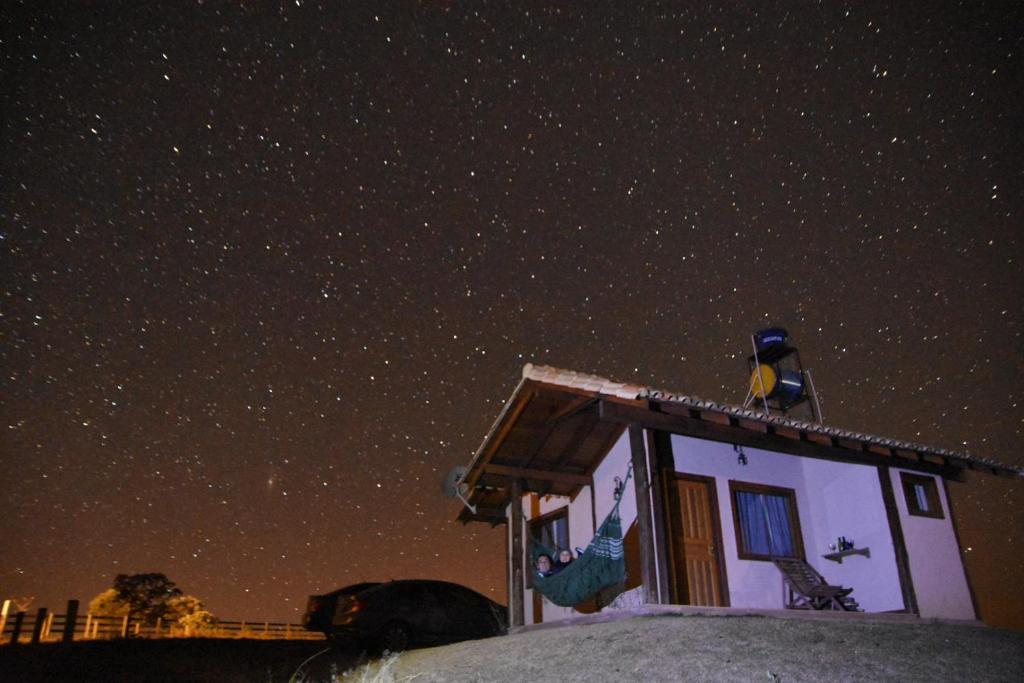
{"type": "Point", "coordinates": [150, 597]}
{"type": "Point", "coordinates": [183, 605]}
{"type": "Point", "coordinates": [108, 604]}
{"type": "Point", "coordinates": [147, 595]}
{"type": "Point", "coordinates": [191, 614]}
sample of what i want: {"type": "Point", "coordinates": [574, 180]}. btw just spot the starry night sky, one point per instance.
{"type": "Point", "coordinates": [270, 270]}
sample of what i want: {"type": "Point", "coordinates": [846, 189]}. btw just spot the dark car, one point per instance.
{"type": "Point", "coordinates": [399, 615]}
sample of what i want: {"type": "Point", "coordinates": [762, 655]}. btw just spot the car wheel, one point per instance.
{"type": "Point", "coordinates": [395, 637]}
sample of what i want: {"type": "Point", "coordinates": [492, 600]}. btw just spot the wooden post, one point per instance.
{"type": "Point", "coordinates": [898, 542]}
{"type": "Point", "coordinates": [660, 447]}
{"type": "Point", "coordinates": [37, 628]}
{"type": "Point", "coordinates": [124, 626]}
{"type": "Point", "coordinates": [515, 556]}
{"type": "Point", "coordinates": [88, 626]}
{"type": "Point", "coordinates": [641, 482]}
{"type": "Point", "coordinates": [48, 626]}
{"type": "Point", "coordinates": [19, 620]}
{"type": "Point", "coordinates": [70, 621]}
{"type": "Point", "coordinates": [3, 616]}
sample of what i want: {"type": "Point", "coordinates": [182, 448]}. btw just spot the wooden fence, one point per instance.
{"type": "Point", "coordinates": [43, 626]}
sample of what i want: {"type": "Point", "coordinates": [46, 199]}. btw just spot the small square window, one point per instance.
{"type": "Point", "coordinates": [922, 495]}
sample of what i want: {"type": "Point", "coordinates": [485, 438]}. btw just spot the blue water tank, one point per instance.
{"type": "Point", "coordinates": [769, 337]}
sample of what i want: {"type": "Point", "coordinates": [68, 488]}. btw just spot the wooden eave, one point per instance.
{"type": "Point", "coordinates": [550, 437]}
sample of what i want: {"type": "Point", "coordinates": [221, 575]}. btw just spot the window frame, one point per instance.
{"type": "Point", "coordinates": [909, 481]}
{"type": "Point", "coordinates": [531, 526]}
{"type": "Point", "coordinates": [794, 519]}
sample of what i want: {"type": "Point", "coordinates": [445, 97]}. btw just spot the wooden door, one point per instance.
{"type": "Point", "coordinates": [696, 555]}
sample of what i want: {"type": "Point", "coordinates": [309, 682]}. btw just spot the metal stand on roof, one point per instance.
{"type": "Point", "coordinates": [760, 381]}
{"type": "Point", "coordinates": [814, 395]}
{"type": "Point", "coordinates": [778, 377]}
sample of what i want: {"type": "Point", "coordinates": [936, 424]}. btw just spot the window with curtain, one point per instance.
{"type": "Point", "coordinates": [552, 531]}
{"type": "Point", "coordinates": [766, 520]}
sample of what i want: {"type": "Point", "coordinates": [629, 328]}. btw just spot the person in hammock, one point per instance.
{"type": "Point", "coordinates": [544, 565]}
{"type": "Point", "coordinates": [564, 560]}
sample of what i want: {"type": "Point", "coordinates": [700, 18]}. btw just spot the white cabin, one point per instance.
{"type": "Point", "coordinates": [717, 492]}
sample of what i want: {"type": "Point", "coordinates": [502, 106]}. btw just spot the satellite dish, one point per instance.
{"type": "Point", "coordinates": [454, 486]}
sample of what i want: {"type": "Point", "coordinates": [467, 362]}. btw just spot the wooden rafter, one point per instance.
{"type": "Point", "coordinates": [575, 442]}
{"type": "Point", "coordinates": [539, 475]}
{"type": "Point", "coordinates": [574, 407]}
{"type": "Point", "coordinates": [499, 438]}
{"type": "Point", "coordinates": [537, 443]}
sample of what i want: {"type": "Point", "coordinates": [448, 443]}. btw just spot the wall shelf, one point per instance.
{"type": "Point", "coordinates": [838, 556]}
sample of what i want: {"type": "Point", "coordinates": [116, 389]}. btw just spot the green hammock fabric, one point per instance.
{"type": "Point", "coordinates": [601, 564]}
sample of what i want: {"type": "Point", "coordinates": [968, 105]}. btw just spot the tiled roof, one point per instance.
{"type": "Point", "coordinates": [600, 385]}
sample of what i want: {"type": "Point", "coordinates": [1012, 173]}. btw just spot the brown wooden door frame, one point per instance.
{"type": "Point", "coordinates": [673, 514]}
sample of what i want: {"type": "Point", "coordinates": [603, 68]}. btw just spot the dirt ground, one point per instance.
{"type": "Point", "coordinates": [641, 648]}
{"type": "Point", "coordinates": [700, 648]}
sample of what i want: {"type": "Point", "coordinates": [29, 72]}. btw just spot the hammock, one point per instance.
{"type": "Point", "coordinates": [602, 564]}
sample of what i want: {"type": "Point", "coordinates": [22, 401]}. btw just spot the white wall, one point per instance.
{"type": "Point", "coordinates": [615, 464]}
{"type": "Point", "coordinates": [935, 564]}
{"type": "Point", "coordinates": [846, 500]}
{"type": "Point", "coordinates": [833, 499]}
{"type": "Point", "coordinates": [752, 583]}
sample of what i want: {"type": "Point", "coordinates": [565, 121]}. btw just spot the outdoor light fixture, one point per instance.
{"type": "Point", "coordinates": [741, 457]}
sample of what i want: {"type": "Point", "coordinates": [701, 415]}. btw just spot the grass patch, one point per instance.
{"type": "Point", "coordinates": [377, 671]}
